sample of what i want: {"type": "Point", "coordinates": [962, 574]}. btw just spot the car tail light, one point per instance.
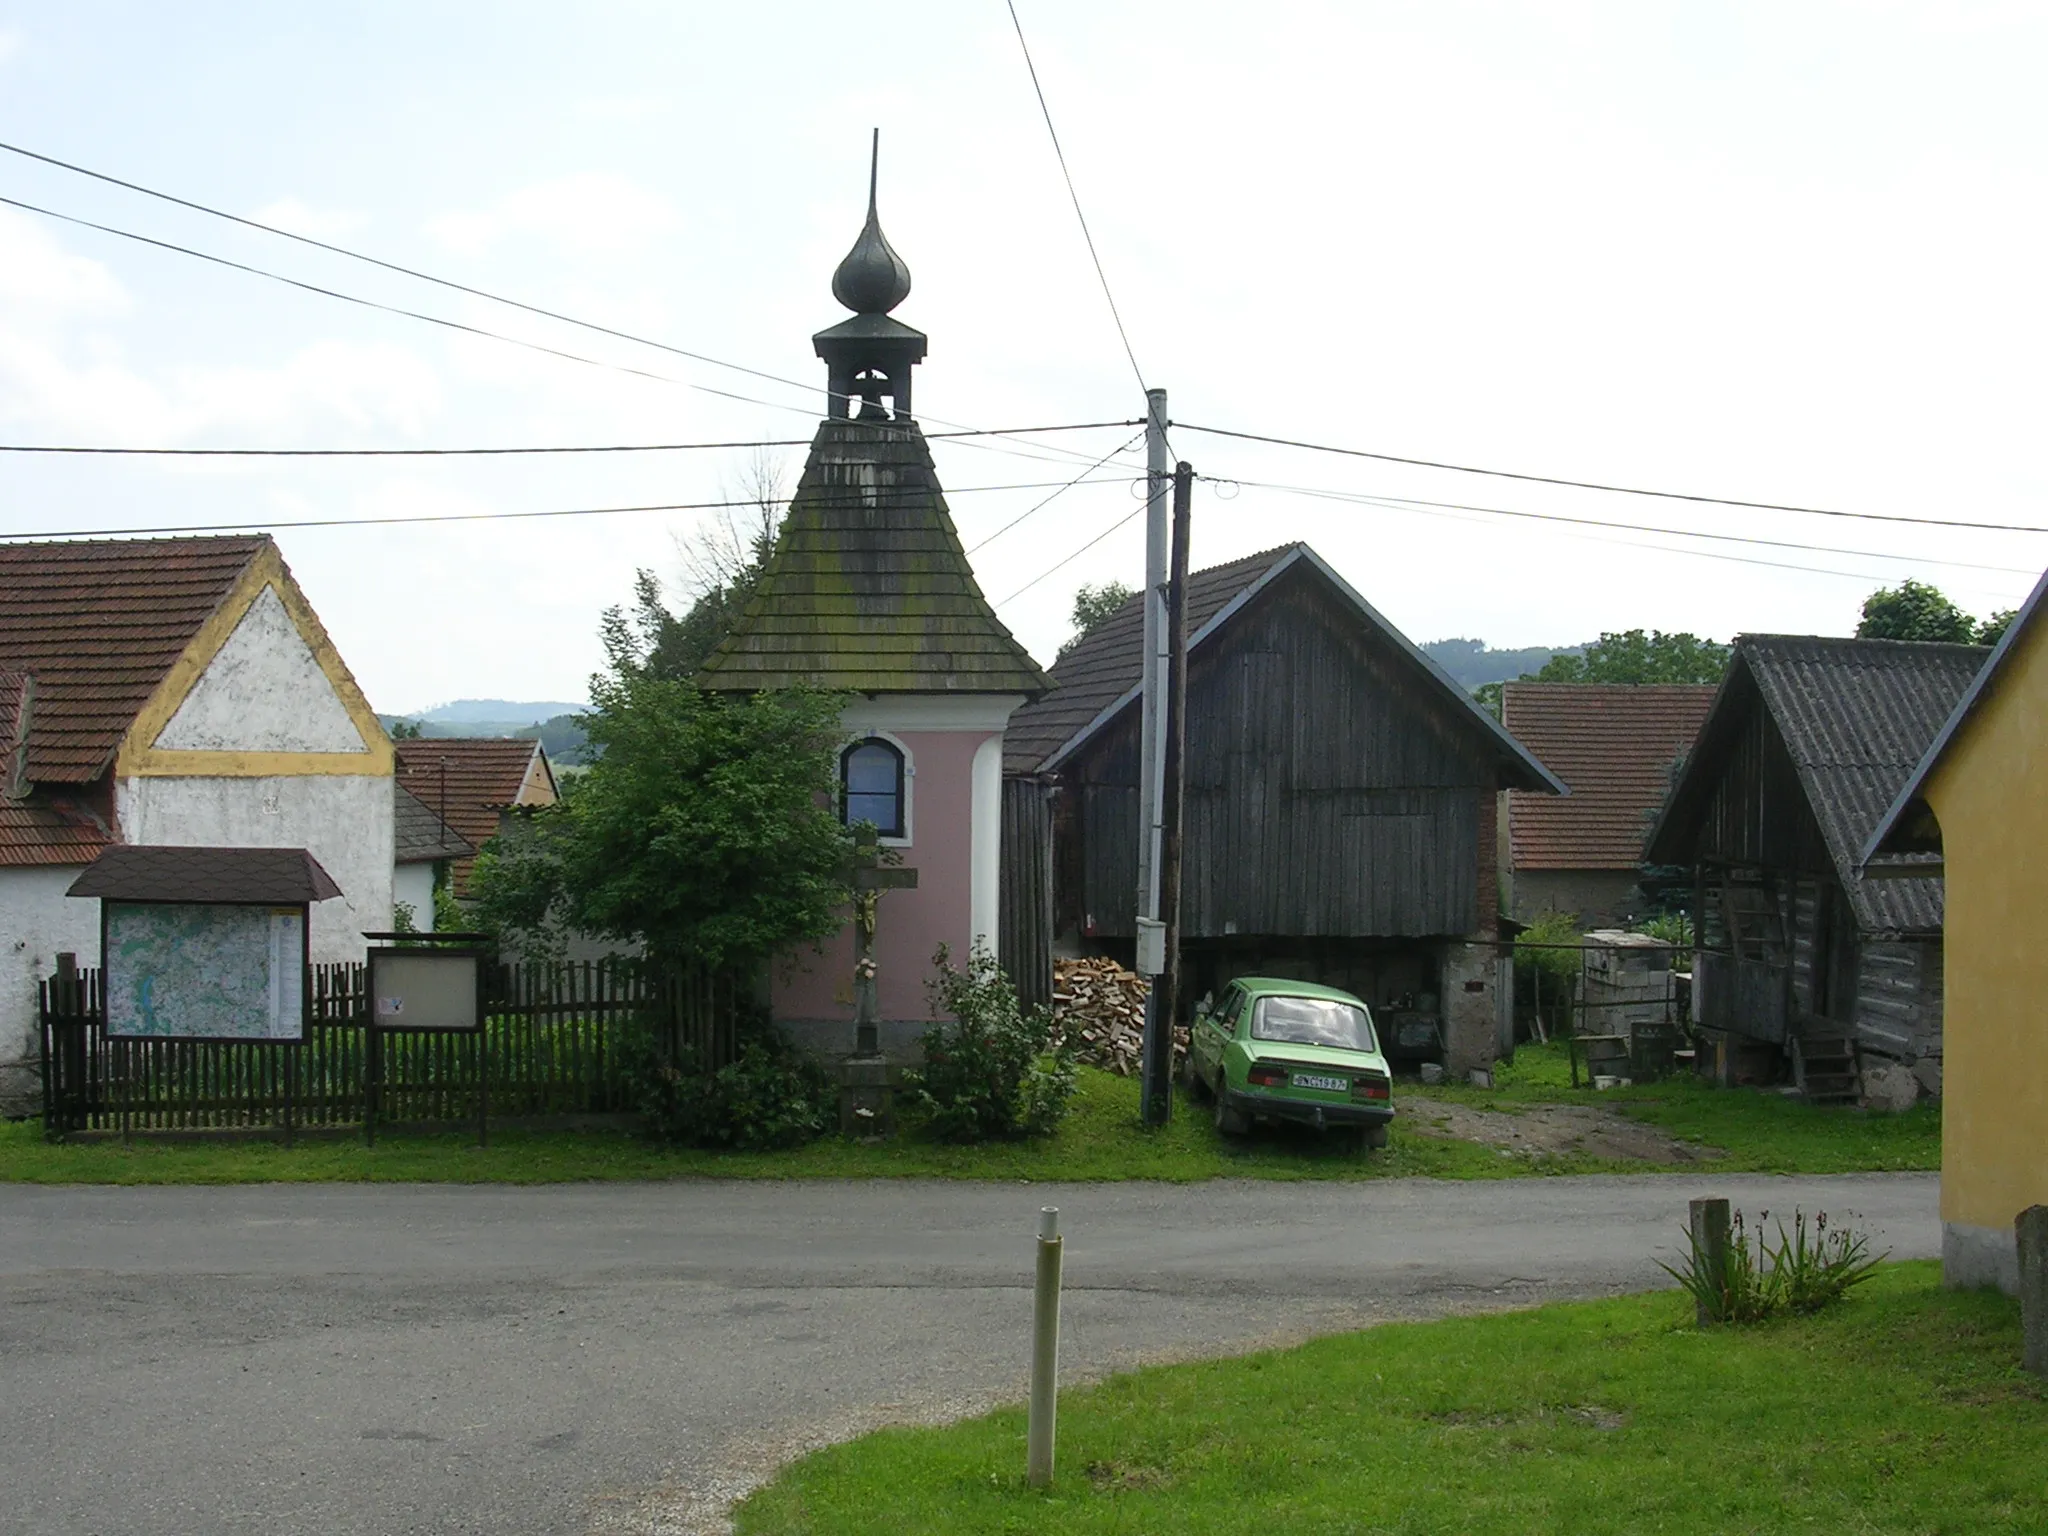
{"type": "Point", "coordinates": [1266, 1077]}
{"type": "Point", "coordinates": [1372, 1088]}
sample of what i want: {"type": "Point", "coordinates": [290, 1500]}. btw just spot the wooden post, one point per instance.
{"type": "Point", "coordinates": [1165, 998]}
{"type": "Point", "coordinates": [1709, 1227]}
{"type": "Point", "coordinates": [2030, 1231]}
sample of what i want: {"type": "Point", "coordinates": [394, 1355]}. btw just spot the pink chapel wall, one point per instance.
{"type": "Point", "coordinates": [811, 991]}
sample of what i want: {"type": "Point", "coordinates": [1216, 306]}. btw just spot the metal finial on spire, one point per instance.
{"type": "Point", "coordinates": [873, 279]}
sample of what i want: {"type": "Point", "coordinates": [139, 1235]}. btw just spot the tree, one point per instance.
{"type": "Point", "coordinates": [704, 828]}
{"type": "Point", "coordinates": [1993, 629]}
{"type": "Point", "coordinates": [1914, 611]}
{"type": "Point", "coordinates": [1636, 656]}
{"type": "Point", "coordinates": [405, 730]}
{"type": "Point", "coordinates": [1092, 606]}
{"type": "Point", "coordinates": [722, 561]}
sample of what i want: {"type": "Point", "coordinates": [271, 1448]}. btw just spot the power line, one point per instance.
{"type": "Point", "coordinates": [1624, 490]}
{"type": "Point", "coordinates": [855, 498]}
{"type": "Point", "coordinates": [428, 453]}
{"type": "Point", "coordinates": [1405, 503]}
{"type": "Point", "coordinates": [425, 277]}
{"type": "Point", "coordinates": [1078, 479]}
{"type": "Point", "coordinates": [1070, 559]}
{"type": "Point", "coordinates": [1093, 255]}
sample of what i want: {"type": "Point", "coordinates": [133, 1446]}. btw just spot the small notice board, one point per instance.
{"type": "Point", "coordinates": [438, 988]}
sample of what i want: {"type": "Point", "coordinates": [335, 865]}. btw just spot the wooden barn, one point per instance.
{"type": "Point", "coordinates": [1339, 813]}
{"type": "Point", "coordinates": [1808, 741]}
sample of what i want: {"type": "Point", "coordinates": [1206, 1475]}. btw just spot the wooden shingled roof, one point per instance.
{"type": "Point", "coordinates": [869, 590]}
{"type": "Point", "coordinates": [1615, 746]}
{"type": "Point", "coordinates": [97, 624]}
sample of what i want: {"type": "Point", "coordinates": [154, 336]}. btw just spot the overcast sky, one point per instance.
{"type": "Point", "coordinates": [1788, 252]}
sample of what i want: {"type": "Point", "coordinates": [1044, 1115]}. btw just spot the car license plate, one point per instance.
{"type": "Point", "coordinates": [1319, 1080]}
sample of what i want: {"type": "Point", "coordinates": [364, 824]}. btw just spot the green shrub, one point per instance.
{"type": "Point", "coordinates": [1802, 1272]}
{"type": "Point", "coordinates": [992, 1071]}
{"type": "Point", "coordinates": [770, 1095]}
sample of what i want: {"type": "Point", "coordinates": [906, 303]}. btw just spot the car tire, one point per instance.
{"type": "Point", "coordinates": [1229, 1122]}
{"type": "Point", "coordinates": [1373, 1138]}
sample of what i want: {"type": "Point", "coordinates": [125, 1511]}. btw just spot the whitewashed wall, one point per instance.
{"type": "Point", "coordinates": [37, 923]}
{"type": "Point", "coordinates": [414, 885]}
{"type": "Point", "coordinates": [342, 820]}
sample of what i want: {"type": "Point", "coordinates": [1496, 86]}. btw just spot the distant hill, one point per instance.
{"type": "Point", "coordinates": [471, 713]}
{"type": "Point", "coordinates": [561, 734]}
{"type": "Point", "coordinates": [1473, 664]}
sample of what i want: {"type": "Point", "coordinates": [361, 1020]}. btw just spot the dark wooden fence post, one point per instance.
{"type": "Point", "coordinates": [1709, 1225]}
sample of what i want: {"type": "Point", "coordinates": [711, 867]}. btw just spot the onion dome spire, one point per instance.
{"type": "Point", "coordinates": [873, 279]}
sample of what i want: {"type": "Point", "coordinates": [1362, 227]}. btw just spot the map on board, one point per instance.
{"type": "Point", "coordinates": [200, 972]}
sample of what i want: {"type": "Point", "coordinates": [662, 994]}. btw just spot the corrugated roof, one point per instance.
{"type": "Point", "coordinates": [484, 775]}
{"type": "Point", "coordinates": [99, 623]}
{"type": "Point", "coordinates": [1108, 661]}
{"type": "Point", "coordinates": [1615, 747]}
{"type": "Point", "coordinates": [163, 873]}
{"type": "Point", "coordinates": [418, 835]}
{"type": "Point", "coordinates": [1906, 827]}
{"type": "Point", "coordinates": [1856, 717]}
{"type": "Point", "coordinates": [868, 589]}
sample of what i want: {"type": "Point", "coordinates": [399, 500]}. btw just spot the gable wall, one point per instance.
{"type": "Point", "coordinates": [1990, 794]}
{"type": "Point", "coordinates": [1329, 793]}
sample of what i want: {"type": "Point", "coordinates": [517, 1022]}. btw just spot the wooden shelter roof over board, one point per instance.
{"type": "Point", "coordinates": [868, 589]}
{"type": "Point", "coordinates": [1855, 716]}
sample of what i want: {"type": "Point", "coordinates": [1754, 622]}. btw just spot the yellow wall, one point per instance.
{"type": "Point", "coordinates": [1990, 794]}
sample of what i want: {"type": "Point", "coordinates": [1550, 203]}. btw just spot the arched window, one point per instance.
{"type": "Point", "coordinates": [871, 785]}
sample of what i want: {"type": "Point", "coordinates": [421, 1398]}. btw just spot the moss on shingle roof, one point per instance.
{"type": "Point", "coordinates": [868, 590]}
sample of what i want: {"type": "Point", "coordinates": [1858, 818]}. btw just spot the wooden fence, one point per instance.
{"type": "Point", "coordinates": [550, 1046]}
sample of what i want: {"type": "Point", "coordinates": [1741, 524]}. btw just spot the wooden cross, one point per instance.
{"type": "Point", "coordinates": [869, 882]}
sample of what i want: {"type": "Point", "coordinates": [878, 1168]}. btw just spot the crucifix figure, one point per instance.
{"type": "Point", "coordinates": [869, 881]}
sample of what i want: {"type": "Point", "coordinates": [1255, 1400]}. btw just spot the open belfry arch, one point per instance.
{"type": "Point", "coordinates": [259, 691]}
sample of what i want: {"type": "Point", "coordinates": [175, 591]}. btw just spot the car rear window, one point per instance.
{"type": "Point", "coordinates": [1312, 1021]}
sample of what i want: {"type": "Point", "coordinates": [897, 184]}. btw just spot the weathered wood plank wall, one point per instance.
{"type": "Point", "coordinates": [1024, 925]}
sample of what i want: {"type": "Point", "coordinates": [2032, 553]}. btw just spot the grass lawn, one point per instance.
{"type": "Point", "coordinates": [1902, 1411]}
{"type": "Point", "coordinates": [1101, 1140]}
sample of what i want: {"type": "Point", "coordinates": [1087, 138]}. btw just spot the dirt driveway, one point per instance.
{"type": "Point", "coordinates": [1552, 1130]}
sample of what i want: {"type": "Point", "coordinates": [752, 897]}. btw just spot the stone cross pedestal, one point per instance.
{"type": "Point", "coordinates": [867, 1083]}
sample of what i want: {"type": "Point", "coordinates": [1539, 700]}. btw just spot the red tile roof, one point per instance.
{"type": "Point", "coordinates": [99, 623]}
{"type": "Point", "coordinates": [484, 775]}
{"type": "Point", "coordinates": [1614, 746]}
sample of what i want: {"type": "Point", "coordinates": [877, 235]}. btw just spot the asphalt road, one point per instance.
{"type": "Point", "coordinates": [578, 1359]}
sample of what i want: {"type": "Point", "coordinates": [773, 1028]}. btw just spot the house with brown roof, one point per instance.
{"type": "Point", "coordinates": [1806, 963]}
{"type": "Point", "coordinates": [1619, 747]}
{"type": "Point", "coordinates": [172, 692]}
{"type": "Point", "coordinates": [472, 784]}
{"type": "Point", "coordinates": [1338, 816]}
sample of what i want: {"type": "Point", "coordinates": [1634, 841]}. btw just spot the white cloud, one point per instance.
{"type": "Point", "coordinates": [301, 219]}
{"type": "Point", "coordinates": [10, 45]}
{"type": "Point", "coordinates": [46, 280]}
{"type": "Point", "coordinates": [594, 211]}
{"type": "Point", "coordinates": [625, 109]}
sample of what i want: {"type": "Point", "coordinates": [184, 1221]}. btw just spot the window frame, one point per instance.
{"type": "Point", "coordinates": [898, 835]}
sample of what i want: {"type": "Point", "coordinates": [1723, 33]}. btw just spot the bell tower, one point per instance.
{"type": "Point", "coordinates": [869, 357]}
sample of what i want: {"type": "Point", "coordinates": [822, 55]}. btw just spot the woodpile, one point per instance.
{"type": "Point", "coordinates": [1099, 1008]}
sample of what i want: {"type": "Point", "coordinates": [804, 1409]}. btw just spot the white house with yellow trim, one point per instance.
{"type": "Point", "coordinates": [172, 692]}
{"type": "Point", "coordinates": [1976, 812]}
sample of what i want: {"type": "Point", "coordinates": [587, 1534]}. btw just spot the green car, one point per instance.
{"type": "Point", "coordinates": [1290, 1050]}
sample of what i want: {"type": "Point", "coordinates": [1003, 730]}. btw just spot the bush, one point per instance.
{"type": "Point", "coordinates": [992, 1072]}
{"type": "Point", "coordinates": [1800, 1273]}
{"type": "Point", "coordinates": [771, 1095]}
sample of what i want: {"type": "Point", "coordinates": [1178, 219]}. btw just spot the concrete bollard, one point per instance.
{"type": "Point", "coordinates": [1045, 1352]}
{"type": "Point", "coordinates": [2030, 1230]}
{"type": "Point", "coordinates": [1708, 1223]}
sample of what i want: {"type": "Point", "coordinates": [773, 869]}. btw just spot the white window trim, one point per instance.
{"type": "Point", "coordinates": [869, 733]}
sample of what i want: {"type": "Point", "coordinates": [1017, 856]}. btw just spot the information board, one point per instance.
{"type": "Point", "coordinates": [426, 988]}
{"type": "Point", "coordinates": [196, 971]}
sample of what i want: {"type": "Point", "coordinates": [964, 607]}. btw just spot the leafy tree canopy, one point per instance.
{"type": "Point", "coordinates": [1639, 656]}
{"type": "Point", "coordinates": [1993, 629]}
{"type": "Point", "coordinates": [1092, 605]}
{"type": "Point", "coordinates": [703, 829]}
{"type": "Point", "coordinates": [1914, 610]}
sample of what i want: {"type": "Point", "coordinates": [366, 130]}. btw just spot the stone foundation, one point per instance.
{"type": "Point", "coordinates": [1974, 1257]}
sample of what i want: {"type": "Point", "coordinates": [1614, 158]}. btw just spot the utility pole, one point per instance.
{"type": "Point", "coordinates": [1162, 1003]}
{"type": "Point", "coordinates": [1159, 476]}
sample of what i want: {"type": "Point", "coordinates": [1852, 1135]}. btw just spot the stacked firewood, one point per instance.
{"type": "Point", "coordinates": [1099, 1009]}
